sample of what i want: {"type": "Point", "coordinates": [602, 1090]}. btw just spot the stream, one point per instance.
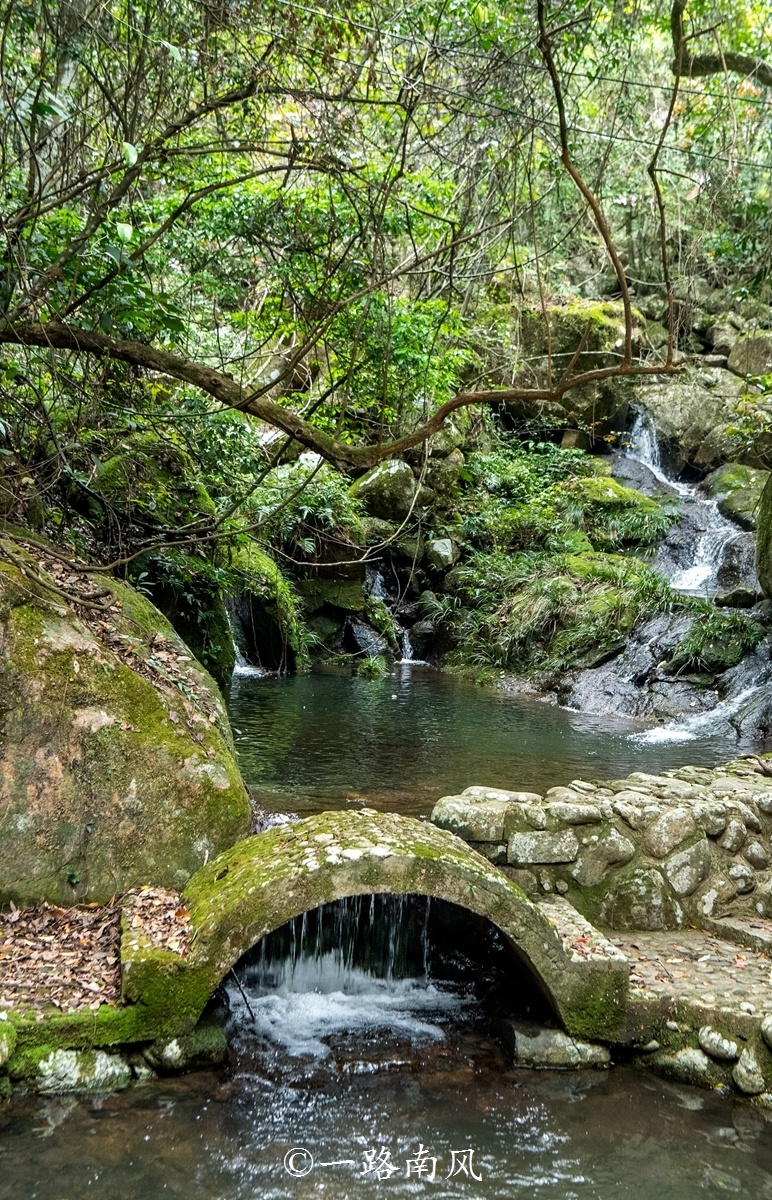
{"type": "Point", "coordinates": [365, 1056]}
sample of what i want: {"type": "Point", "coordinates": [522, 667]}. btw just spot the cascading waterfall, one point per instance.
{"type": "Point", "coordinates": [715, 533]}
{"type": "Point", "coordinates": [355, 966]}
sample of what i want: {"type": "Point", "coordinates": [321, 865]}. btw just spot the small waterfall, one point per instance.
{"type": "Point", "coordinates": [351, 967]}
{"type": "Point", "coordinates": [242, 665]}
{"type": "Point", "coordinates": [699, 725]}
{"type": "Point", "coordinates": [713, 532]}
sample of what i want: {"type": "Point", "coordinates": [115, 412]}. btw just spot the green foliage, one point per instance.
{"type": "Point", "coordinates": [373, 667]}
{"type": "Point", "coordinates": [716, 641]}
{"type": "Point", "coordinates": [538, 611]}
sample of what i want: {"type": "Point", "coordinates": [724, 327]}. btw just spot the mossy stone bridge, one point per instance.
{"type": "Point", "coordinates": [264, 881]}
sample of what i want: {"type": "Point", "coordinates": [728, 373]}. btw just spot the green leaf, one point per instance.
{"type": "Point", "coordinates": [130, 154]}
{"type": "Point", "coordinates": [124, 231]}
{"type": "Point", "coordinates": [174, 51]}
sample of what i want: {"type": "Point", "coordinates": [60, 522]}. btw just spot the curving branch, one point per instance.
{"type": "Point", "coordinates": [712, 64]}
{"type": "Point", "coordinates": [227, 391]}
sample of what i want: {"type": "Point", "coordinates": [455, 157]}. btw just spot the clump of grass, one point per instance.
{"type": "Point", "coordinates": [550, 612]}
{"type": "Point", "coordinates": [373, 667]}
{"type": "Point", "coordinates": [716, 641]}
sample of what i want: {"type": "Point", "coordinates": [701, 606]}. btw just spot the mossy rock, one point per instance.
{"type": "Point", "coordinates": [156, 479]}
{"type": "Point", "coordinates": [118, 766]}
{"type": "Point", "coordinates": [737, 490]}
{"type": "Point", "coordinates": [268, 608]}
{"type": "Point", "coordinates": [186, 590]}
{"type": "Point", "coordinates": [387, 491]}
{"type": "Point", "coordinates": [764, 540]}
{"type": "Point", "coordinates": [614, 515]}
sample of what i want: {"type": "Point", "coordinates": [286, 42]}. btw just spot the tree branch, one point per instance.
{"type": "Point", "coordinates": [712, 64]}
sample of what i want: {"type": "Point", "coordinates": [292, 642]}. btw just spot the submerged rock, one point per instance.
{"type": "Point", "coordinates": [82, 1071]}
{"type": "Point", "coordinates": [532, 1046]}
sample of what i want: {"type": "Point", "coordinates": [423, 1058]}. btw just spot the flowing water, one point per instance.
{"type": "Point", "coordinates": [355, 1072]}
{"type": "Point", "coordinates": [696, 566]}
{"type": "Point", "coordinates": [365, 1052]}
{"type": "Point", "coordinates": [311, 742]}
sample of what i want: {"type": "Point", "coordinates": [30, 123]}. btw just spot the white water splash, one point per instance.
{"type": "Point", "coordinates": [700, 577]}
{"type": "Point", "coordinates": [699, 725]}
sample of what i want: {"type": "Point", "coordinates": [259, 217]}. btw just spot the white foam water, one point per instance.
{"type": "Point", "coordinates": [308, 1008]}
{"type": "Point", "coordinates": [717, 533]}
{"type": "Point", "coordinates": [699, 725]}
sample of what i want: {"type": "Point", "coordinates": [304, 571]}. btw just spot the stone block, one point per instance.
{"type": "Point", "coordinates": [532, 1046]}
{"type": "Point", "coordinates": [472, 820]}
{"type": "Point", "coordinates": [686, 870]}
{"type": "Point", "coordinates": [599, 858]}
{"type": "Point", "coordinates": [668, 830]}
{"type": "Point", "coordinates": [573, 814]}
{"type": "Point", "coordinates": [527, 849]}
{"type": "Point", "coordinates": [486, 793]}
{"type": "Point", "coordinates": [640, 900]}
{"type": "Point", "coordinates": [757, 855]}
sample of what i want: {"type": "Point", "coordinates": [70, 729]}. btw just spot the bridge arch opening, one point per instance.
{"type": "Point", "coordinates": [380, 980]}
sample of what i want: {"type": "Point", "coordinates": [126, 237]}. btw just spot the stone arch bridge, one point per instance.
{"type": "Point", "coordinates": [264, 881]}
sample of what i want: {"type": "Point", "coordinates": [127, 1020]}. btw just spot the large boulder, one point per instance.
{"type": "Point", "coordinates": [387, 491]}
{"type": "Point", "coordinates": [117, 764]}
{"type": "Point", "coordinates": [550, 338]}
{"type": "Point", "coordinates": [737, 490]}
{"type": "Point", "coordinates": [752, 355]}
{"type": "Point", "coordinates": [692, 413]}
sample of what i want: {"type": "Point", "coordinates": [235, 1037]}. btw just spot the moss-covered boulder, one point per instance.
{"type": "Point", "coordinates": [752, 355]}
{"type": "Point", "coordinates": [764, 540]}
{"type": "Point", "coordinates": [117, 765]}
{"type": "Point", "coordinates": [550, 337]}
{"type": "Point", "coordinates": [154, 479]}
{"type": "Point", "coordinates": [387, 491]}
{"type": "Point", "coordinates": [266, 612]}
{"type": "Point", "coordinates": [737, 490]}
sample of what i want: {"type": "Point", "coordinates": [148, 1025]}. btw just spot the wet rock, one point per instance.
{"type": "Point", "coordinates": [387, 491]}
{"type": "Point", "coordinates": [737, 491]}
{"type": "Point", "coordinates": [364, 638]}
{"type": "Point", "coordinates": [747, 1073]}
{"type": "Point", "coordinates": [688, 1065]}
{"type": "Point", "coordinates": [692, 414]}
{"type": "Point", "coordinates": [525, 849]}
{"type": "Point", "coordinates": [752, 355]}
{"type": "Point", "coordinates": [668, 831]}
{"type": "Point", "coordinates": [532, 1046]}
{"type": "Point", "coordinates": [82, 1071]}
{"type": "Point", "coordinates": [422, 638]}
{"type": "Point", "coordinates": [716, 1045]}
{"type": "Point", "coordinates": [686, 871]}
{"type": "Point", "coordinates": [721, 336]}
{"type": "Point", "coordinates": [734, 836]}
{"type": "Point", "coordinates": [640, 900]}
{"type": "Point", "coordinates": [739, 597]}
{"type": "Point", "coordinates": [205, 1046]}
{"type": "Point", "coordinates": [442, 553]}
{"type": "Point", "coordinates": [597, 860]}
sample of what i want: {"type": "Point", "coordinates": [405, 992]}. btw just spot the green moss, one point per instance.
{"type": "Point", "coordinates": [154, 477]}
{"type": "Point", "coordinates": [715, 642]}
